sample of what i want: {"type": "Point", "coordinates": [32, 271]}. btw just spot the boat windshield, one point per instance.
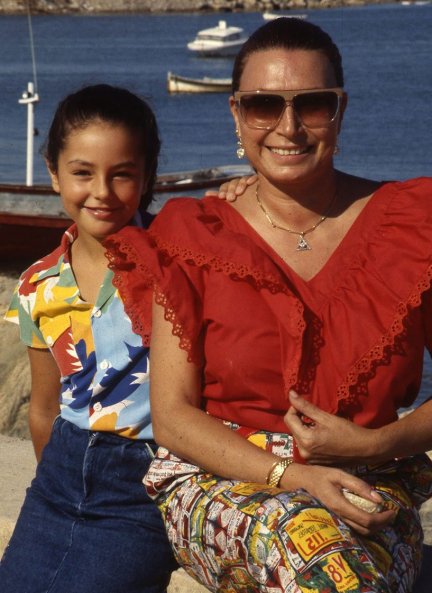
{"type": "Point", "coordinates": [209, 37]}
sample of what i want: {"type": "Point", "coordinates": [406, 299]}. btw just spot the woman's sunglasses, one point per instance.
{"type": "Point", "coordinates": [263, 110]}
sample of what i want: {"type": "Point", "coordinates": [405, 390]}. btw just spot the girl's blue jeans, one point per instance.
{"type": "Point", "coordinates": [87, 524]}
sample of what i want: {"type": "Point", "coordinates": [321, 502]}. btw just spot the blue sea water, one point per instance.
{"type": "Point", "coordinates": [386, 51]}
{"type": "Point", "coordinates": [387, 58]}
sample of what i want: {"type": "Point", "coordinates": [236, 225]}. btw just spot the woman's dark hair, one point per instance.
{"type": "Point", "coordinates": [288, 33]}
{"type": "Point", "coordinates": [112, 105]}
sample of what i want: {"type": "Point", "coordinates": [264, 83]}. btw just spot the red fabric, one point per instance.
{"type": "Point", "coordinates": [352, 338]}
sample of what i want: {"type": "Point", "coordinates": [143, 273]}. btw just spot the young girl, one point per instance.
{"type": "Point", "coordinates": [87, 524]}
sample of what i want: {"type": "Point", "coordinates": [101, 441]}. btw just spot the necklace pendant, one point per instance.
{"type": "Point", "coordinates": [302, 244]}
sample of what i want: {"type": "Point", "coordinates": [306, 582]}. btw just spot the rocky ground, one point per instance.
{"type": "Point", "coordinates": [14, 369]}
{"type": "Point", "coordinates": [125, 6]}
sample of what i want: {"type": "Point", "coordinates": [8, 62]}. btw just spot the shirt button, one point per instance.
{"type": "Point", "coordinates": [97, 407]}
{"type": "Point", "coordinates": [104, 364]}
{"type": "Point", "coordinates": [98, 313]}
{"type": "Point", "coordinates": [49, 341]}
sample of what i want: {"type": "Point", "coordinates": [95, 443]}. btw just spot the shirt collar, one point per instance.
{"type": "Point", "coordinates": [54, 263]}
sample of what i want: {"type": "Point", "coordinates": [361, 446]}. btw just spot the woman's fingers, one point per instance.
{"type": "Point", "coordinates": [307, 409]}
{"type": "Point", "coordinates": [331, 486]}
{"type": "Point", "coordinates": [230, 190]}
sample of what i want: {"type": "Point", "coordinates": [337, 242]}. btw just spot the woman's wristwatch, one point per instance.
{"type": "Point", "coordinates": [276, 472]}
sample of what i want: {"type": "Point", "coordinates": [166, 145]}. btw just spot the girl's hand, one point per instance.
{"type": "Point", "coordinates": [325, 439]}
{"type": "Point", "coordinates": [230, 190]}
{"type": "Point", "coordinates": [326, 484]}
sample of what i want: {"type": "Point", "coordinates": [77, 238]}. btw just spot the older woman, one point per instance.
{"type": "Point", "coordinates": [314, 282]}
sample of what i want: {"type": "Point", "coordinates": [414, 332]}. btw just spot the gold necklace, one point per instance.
{"type": "Point", "coordinates": [302, 244]}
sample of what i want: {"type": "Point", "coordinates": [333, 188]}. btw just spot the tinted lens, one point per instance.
{"type": "Point", "coordinates": [316, 109]}
{"type": "Point", "coordinates": [262, 111]}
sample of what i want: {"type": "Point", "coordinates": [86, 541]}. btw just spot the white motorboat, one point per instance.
{"type": "Point", "coordinates": [182, 84]}
{"type": "Point", "coordinates": [270, 16]}
{"type": "Point", "coordinates": [218, 41]}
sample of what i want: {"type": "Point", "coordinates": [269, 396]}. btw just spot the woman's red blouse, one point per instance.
{"type": "Point", "coordinates": [351, 339]}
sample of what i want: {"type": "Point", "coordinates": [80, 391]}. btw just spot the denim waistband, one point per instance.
{"type": "Point", "coordinates": [100, 436]}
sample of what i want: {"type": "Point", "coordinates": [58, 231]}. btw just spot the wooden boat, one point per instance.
{"type": "Point", "coordinates": [32, 220]}
{"type": "Point", "coordinates": [182, 84]}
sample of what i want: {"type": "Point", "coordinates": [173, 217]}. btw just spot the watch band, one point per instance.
{"type": "Point", "coordinates": [277, 471]}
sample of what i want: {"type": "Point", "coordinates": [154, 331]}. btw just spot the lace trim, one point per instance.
{"type": "Point", "coordinates": [139, 314]}
{"type": "Point", "coordinates": [177, 329]}
{"type": "Point", "coordinates": [307, 372]}
{"type": "Point", "coordinates": [123, 257]}
{"type": "Point", "coordinates": [235, 270]}
{"type": "Point", "coordinates": [356, 381]}
{"type": "Point", "coordinates": [389, 344]}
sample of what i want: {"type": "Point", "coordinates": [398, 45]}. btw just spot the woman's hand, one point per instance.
{"type": "Point", "coordinates": [326, 484]}
{"type": "Point", "coordinates": [325, 439]}
{"type": "Point", "coordinates": [230, 190]}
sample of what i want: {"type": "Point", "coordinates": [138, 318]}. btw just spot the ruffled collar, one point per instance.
{"type": "Point", "coordinates": [351, 318]}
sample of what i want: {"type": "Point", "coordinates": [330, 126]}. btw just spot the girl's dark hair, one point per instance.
{"type": "Point", "coordinates": [288, 33]}
{"type": "Point", "coordinates": [112, 105]}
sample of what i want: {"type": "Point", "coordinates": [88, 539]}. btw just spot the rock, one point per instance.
{"type": "Point", "coordinates": [14, 367]}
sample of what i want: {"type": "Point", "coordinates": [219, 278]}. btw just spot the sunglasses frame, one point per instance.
{"type": "Point", "coordinates": [288, 97]}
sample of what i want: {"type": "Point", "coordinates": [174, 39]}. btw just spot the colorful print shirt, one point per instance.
{"type": "Point", "coordinates": [103, 364]}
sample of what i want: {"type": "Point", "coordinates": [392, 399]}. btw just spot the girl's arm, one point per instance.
{"type": "Point", "coordinates": [44, 397]}
{"type": "Point", "coordinates": [182, 427]}
{"type": "Point", "coordinates": [332, 440]}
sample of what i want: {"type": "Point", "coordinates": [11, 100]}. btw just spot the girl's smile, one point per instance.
{"type": "Point", "coordinates": [100, 178]}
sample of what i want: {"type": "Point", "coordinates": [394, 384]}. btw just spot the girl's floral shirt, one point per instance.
{"type": "Point", "coordinates": [104, 366]}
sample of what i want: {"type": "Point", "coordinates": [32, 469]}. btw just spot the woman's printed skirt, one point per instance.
{"type": "Point", "coordinates": [244, 537]}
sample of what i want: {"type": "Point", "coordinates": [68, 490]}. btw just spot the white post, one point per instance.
{"type": "Point", "coordinates": [29, 97]}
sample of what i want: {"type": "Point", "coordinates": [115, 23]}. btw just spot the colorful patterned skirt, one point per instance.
{"type": "Point", "coordinates": [237, 537]}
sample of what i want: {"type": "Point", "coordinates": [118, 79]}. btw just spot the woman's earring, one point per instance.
{"type": "Point", "coordinates": [336, 149]}
{"type": "Point", "coordinates": [240, 149]}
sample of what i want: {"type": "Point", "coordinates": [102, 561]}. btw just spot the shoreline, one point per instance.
{"type": "Point", "coordinates": [118, 7]}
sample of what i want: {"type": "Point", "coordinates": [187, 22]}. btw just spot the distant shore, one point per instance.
{"type": "Point", "coordinates": [162, 6]}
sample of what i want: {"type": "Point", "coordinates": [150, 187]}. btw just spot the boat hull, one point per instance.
{"type": "Point", "coordinates": [215, 50]}
{"type": "Point", "coordinates": [270, 16]}
{"type": "Point", "coordinates": [29, 238]}
{"type": "Point", "coordinates": [182, 84]}
{"type": "Point", "coordinates": [32, 220]}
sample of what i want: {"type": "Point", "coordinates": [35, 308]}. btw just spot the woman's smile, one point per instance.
{"type": "Point", "coordinates": [289, 151]}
